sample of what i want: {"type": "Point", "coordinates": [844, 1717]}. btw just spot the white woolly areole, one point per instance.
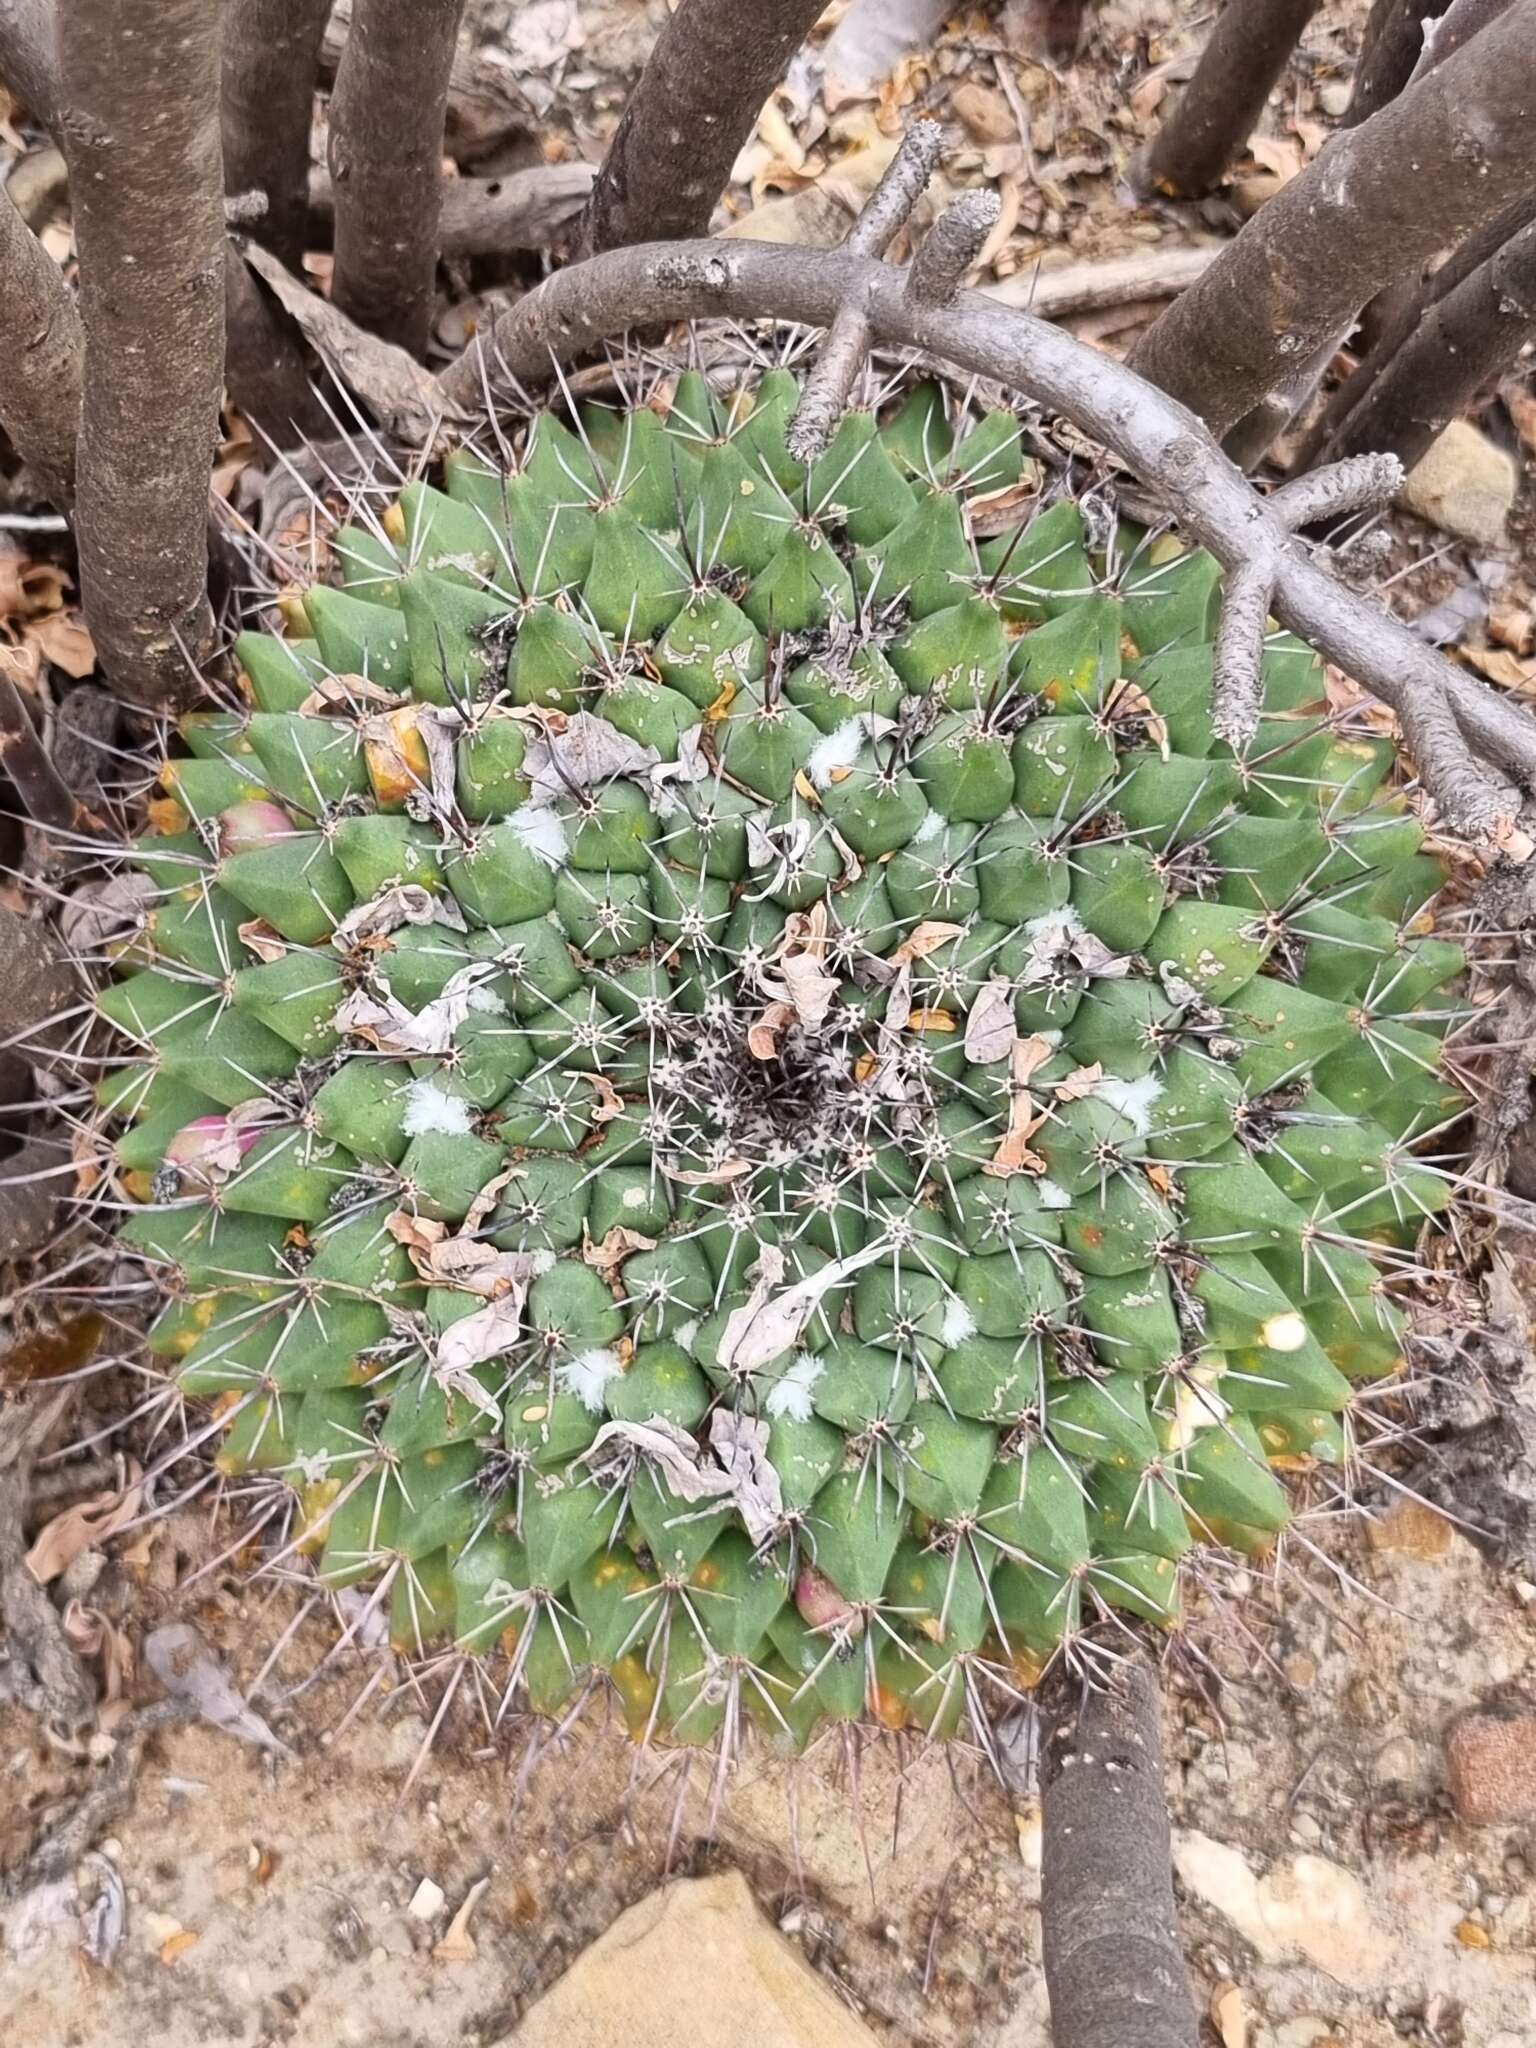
{"type": "Point", "coordinates": [791, 1393]}
{"type": "Point", "coordinates": [542, 831]}
{"type": "Point", "coordinates": [1133, 1099]}
{"type": "Point", "coordinates": [839, 749]}
{"type": "Point", "coordinates": [427, 1108]}
{"type": "Point", "coordinates": [930, 828]}
{"type": "Point", "coordinates": [958, 1322]}
{"type": "Point", "coordinates": [1065, 919]}
{"type": "Point", "coordinates": [685, 1333]}
{"type": "Point", "coordinates": [1052, 1195]}
{"type": "Point", "coordinates": [487, 1000]}
{"type": "Point", "coordinates": [586, 1375]}
{"type": "Point", "coordinates": [543, 1261]}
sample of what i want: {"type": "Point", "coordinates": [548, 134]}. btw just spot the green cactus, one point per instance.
{"type": "Point", "coordinates": [734, 1090]}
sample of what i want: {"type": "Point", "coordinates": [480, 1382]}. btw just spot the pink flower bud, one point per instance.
{"type": "Point", "coordinates": [253, 823]}
{"type": "Point", "coordinates": [822, 1606]}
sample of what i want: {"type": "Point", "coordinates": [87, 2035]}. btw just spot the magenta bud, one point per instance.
{"type": "Point", "coordinates": [210, 1147]}
{"type": "Point", "coordinates": [822, 1606]}
{"type": "Point", "coordinates": [253, 823]}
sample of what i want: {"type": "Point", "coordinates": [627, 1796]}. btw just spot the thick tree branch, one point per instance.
{"type": "Point", "coordinates": [485, 216]}
{"type": "Point", "coordinates": [1219, 109]}
{"type": "Point", "coordinates": [1457, 24]}
{"type": "Point", "coordinates": [141, 81]}
{"type": "Point", "coordinates": [271, 61]}
{"type": "Point", "coordinates": [1114, 1967]}
{"type": "Point", "coordinates": [27, 61]}
{"type": "Point", "coordinates": [1389, 49]}
{"type": "Point", "coordinates": [1466, 341]}
{"type": "Point", "coordinates": [42, 349]}
{"type": "Point", "coordinates": [713, 66]}
{"type": "Point", "coordinates": [386, 152]}
{"type": "Point", "coordinates": [1158, 439]}
{"type": "Point", "coordinates": [1380, 200]}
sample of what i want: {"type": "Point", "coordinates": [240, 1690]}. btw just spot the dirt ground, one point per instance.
{"type": "Point", "coordinates": [268, 1898]}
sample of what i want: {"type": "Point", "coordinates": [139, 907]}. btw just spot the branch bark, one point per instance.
{"type": "Point", "coordinates": [386, 154]}
{"type": "Point", "coordinates": [271, 62]}
{"type": "Point", "coordinates": [1160, 440]}
{"type": "Point", "coordinates": [1114, 1967]}
{"type": "Point", "coordinates": [140, 79]}
{"type": "Point", "coordinates": [1417, 307]}
{"type": "Point", "coordinates": [265, 367]}
{"type": "Point", "coordinates": [1389, 49]}
{"type": "Point", "coordinates": [42, 348]}
{"type": "Point", "coordinates": [27, 61]}
{"type": "Point", "coordinates": [484, 216]}
{"type": "Point", "coordinates": [695, 105]}
{"type": "Point", "coordinates": [1379, 200]}
{"type": "Point", "coordinates": [1219, 109]}
{"type": "Point", "coordinates": [1466, 341]}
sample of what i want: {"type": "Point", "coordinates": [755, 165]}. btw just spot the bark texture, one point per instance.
{"type": "Point", "coordinates": [386, 154]}
{"type": "Point", "coordinates": [1470, 744]}
{"type": "Point", "coordinates": [1220, 107]}
{"type": "Point", "coordinates": [140, 80]}
{"type": "Point", "coordinates": [1379, 201]}
{"type": "Point", "coordinates": [27, 63]}
{"type": "Point", "coordinates": [41, 352]}
{"type": "Point", "coordinates": [703, 87]}
{"type": "Point", "coordinates": [1114, 1968]}
{"type": "Point", "coordinates": [1464, 344]}
{"type": "Point", "coordinates": [484, 216]}
{"type": "Point", "coordinates": [271, 61]}
{"type": "Point", "coordinates": [1389, 49]}
{"type": "Point", "coordinates": [1404, 319]}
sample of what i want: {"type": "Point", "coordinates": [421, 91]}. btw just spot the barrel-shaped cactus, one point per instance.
{"type": "Point", "coordinates": [732, 1088]}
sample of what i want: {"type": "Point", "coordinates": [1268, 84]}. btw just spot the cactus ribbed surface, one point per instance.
{"type": "Point", "coordinates": [732, 1088]}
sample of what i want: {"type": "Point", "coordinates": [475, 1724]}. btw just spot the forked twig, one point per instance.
{"type": "Point", "coordinates": [1474, 750]}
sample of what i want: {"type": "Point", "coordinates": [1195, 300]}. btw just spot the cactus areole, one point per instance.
{"type": "Point", "coordinates": [732, 1089]}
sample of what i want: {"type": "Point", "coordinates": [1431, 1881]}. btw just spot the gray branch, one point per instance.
{"type": "Point", "coordinates": [951, 246]}
{"type": "Point", "coordinates": [1157, 438]}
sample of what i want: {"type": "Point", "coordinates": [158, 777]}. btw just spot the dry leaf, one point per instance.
{"type": "Point", "coordinates": [610, 1251]}
{"type": "Point", "coordinates": [938, 1022]}
{"type": "Point", "coordinates": [706, 1176]}
{"type": "Point", "coordinates": [928, 937]}
{"type": "Point", "coordinates": [177, 1945]}
{"type": "Point", "coordinates": [458, 1944]}
{"type": "Point", "coordinates": [1080, 1082]}
{"type": "Point", "coordinates": [609, 1101]}
{"type": "Point", "coordinates": [263, 939]}
{"type": "Point", "coordinates": [104, 909]}
{"type": "Point", "coordinates": [801, 978]}
{"type": "Point", "coordinates": [406, 398]}
{"type": "Point", "coordinates": [188, 1669]}
{"type": "Point", "coordinates": [348, 693]}
{"type": "Point", "coordinates": [1280, 155]}
{"type": "Point", "coordinates": [407, 903]}
{"type": "Point", "coordinates": [64, 641]}
{"type": "Point", "coordinates": [989, 1025]}
{"type": "Point", "coordinates": [1500, 666]}
{"type": "Point", "coordinates": [1128, 700]}
{"type": "Point", "coordinates": [391, 1027]}
{"type": "Point", "coordinates": [763, 1035]}
{"type": "Point", "coordinates": [1229, 2016]}
{"type": "Point", "coordinates": [1013, 1154]}
{"type": "Point", "coordinates": [81, 1527]}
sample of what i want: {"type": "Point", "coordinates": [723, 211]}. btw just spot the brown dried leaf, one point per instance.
{"type": "Point", "coordinates": [928, 937]}
{"type": "Point", "coordinates": [348, 693]}
{"type": "Point", "coordinates": [406, 398]}
{"type": "Point", "coordinates": [1013, 1154]}
{"type": "Point", "coordinates": [82, 1527]}
{"type": "Point", "coordinates": [609, 1101]}
{"type": "Point", "coordinates": [1502, 667]}
{"type": "Point", "coordinates": [1129, 700]}
{"type": "Point", "coordinates": [458, 1944]}
{"type": "Point", "coordinates": [606, 1255]}
{"type": "Point", "coordinates": [763, 1035]}
{"type": "Point", "coordinates": [989, 1026]}
{"type": "Point", "coordinates": [264, 940]}
{"type": "Point", "coordinates": [64, 641]}
{"type": "Point", "coordinates": [1080, 1082]}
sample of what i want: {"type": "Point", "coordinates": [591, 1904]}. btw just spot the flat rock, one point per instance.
{"type": "Point", "coordinates": [1464, 485]}
{"type": "Point", "coordinates": [695, 1962]}
{"type": "Point", "coordinates": [1490, 1765]}
{"type": "Point", "coordinates": [1305, 1906]}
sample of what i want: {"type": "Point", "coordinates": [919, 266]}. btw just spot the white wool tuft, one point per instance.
{"type": "Point", "coordinates": [486, 999]}
{"type": "Point", "coordinates": [427, 1108]}
{"type": "Point", "coordinates": [1052, 1195]}
{"type": "Point", "coordinates": [930, 828]}
{"type": "Point", "coordinates": [958, 1322]}
{"type": "Point", "coordinates": [792, 1392]}
{"type": "Point", "coordinates": [542, 831]}
{"type": "Point", "coordinates": [685, 1333]}
{"type": "Point", "coordinates": [839, 749]}
{"type": "Point", "coordinates": [586, 1375]}
{"type": "Point", "coordinates": [1133, 1099]}
{"type": "Point", "coordinates": [543, 1261]}
{"type": "Point", "coordinates": [1065, 919]}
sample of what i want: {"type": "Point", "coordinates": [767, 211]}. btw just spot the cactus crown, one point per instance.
{"type": "Point", "coordinates": [735, 1091]}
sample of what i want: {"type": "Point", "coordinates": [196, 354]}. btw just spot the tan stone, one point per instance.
{"type": "Point", "coordinates": [1490, 1764]}
{"type": "Point", "coordinates": [694, 1961]}
{"type": "Point", "coordinates": [1464, 485]}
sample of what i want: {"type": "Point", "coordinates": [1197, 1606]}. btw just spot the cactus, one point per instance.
{"type": "Point", "coordinates": [732, 1089]}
